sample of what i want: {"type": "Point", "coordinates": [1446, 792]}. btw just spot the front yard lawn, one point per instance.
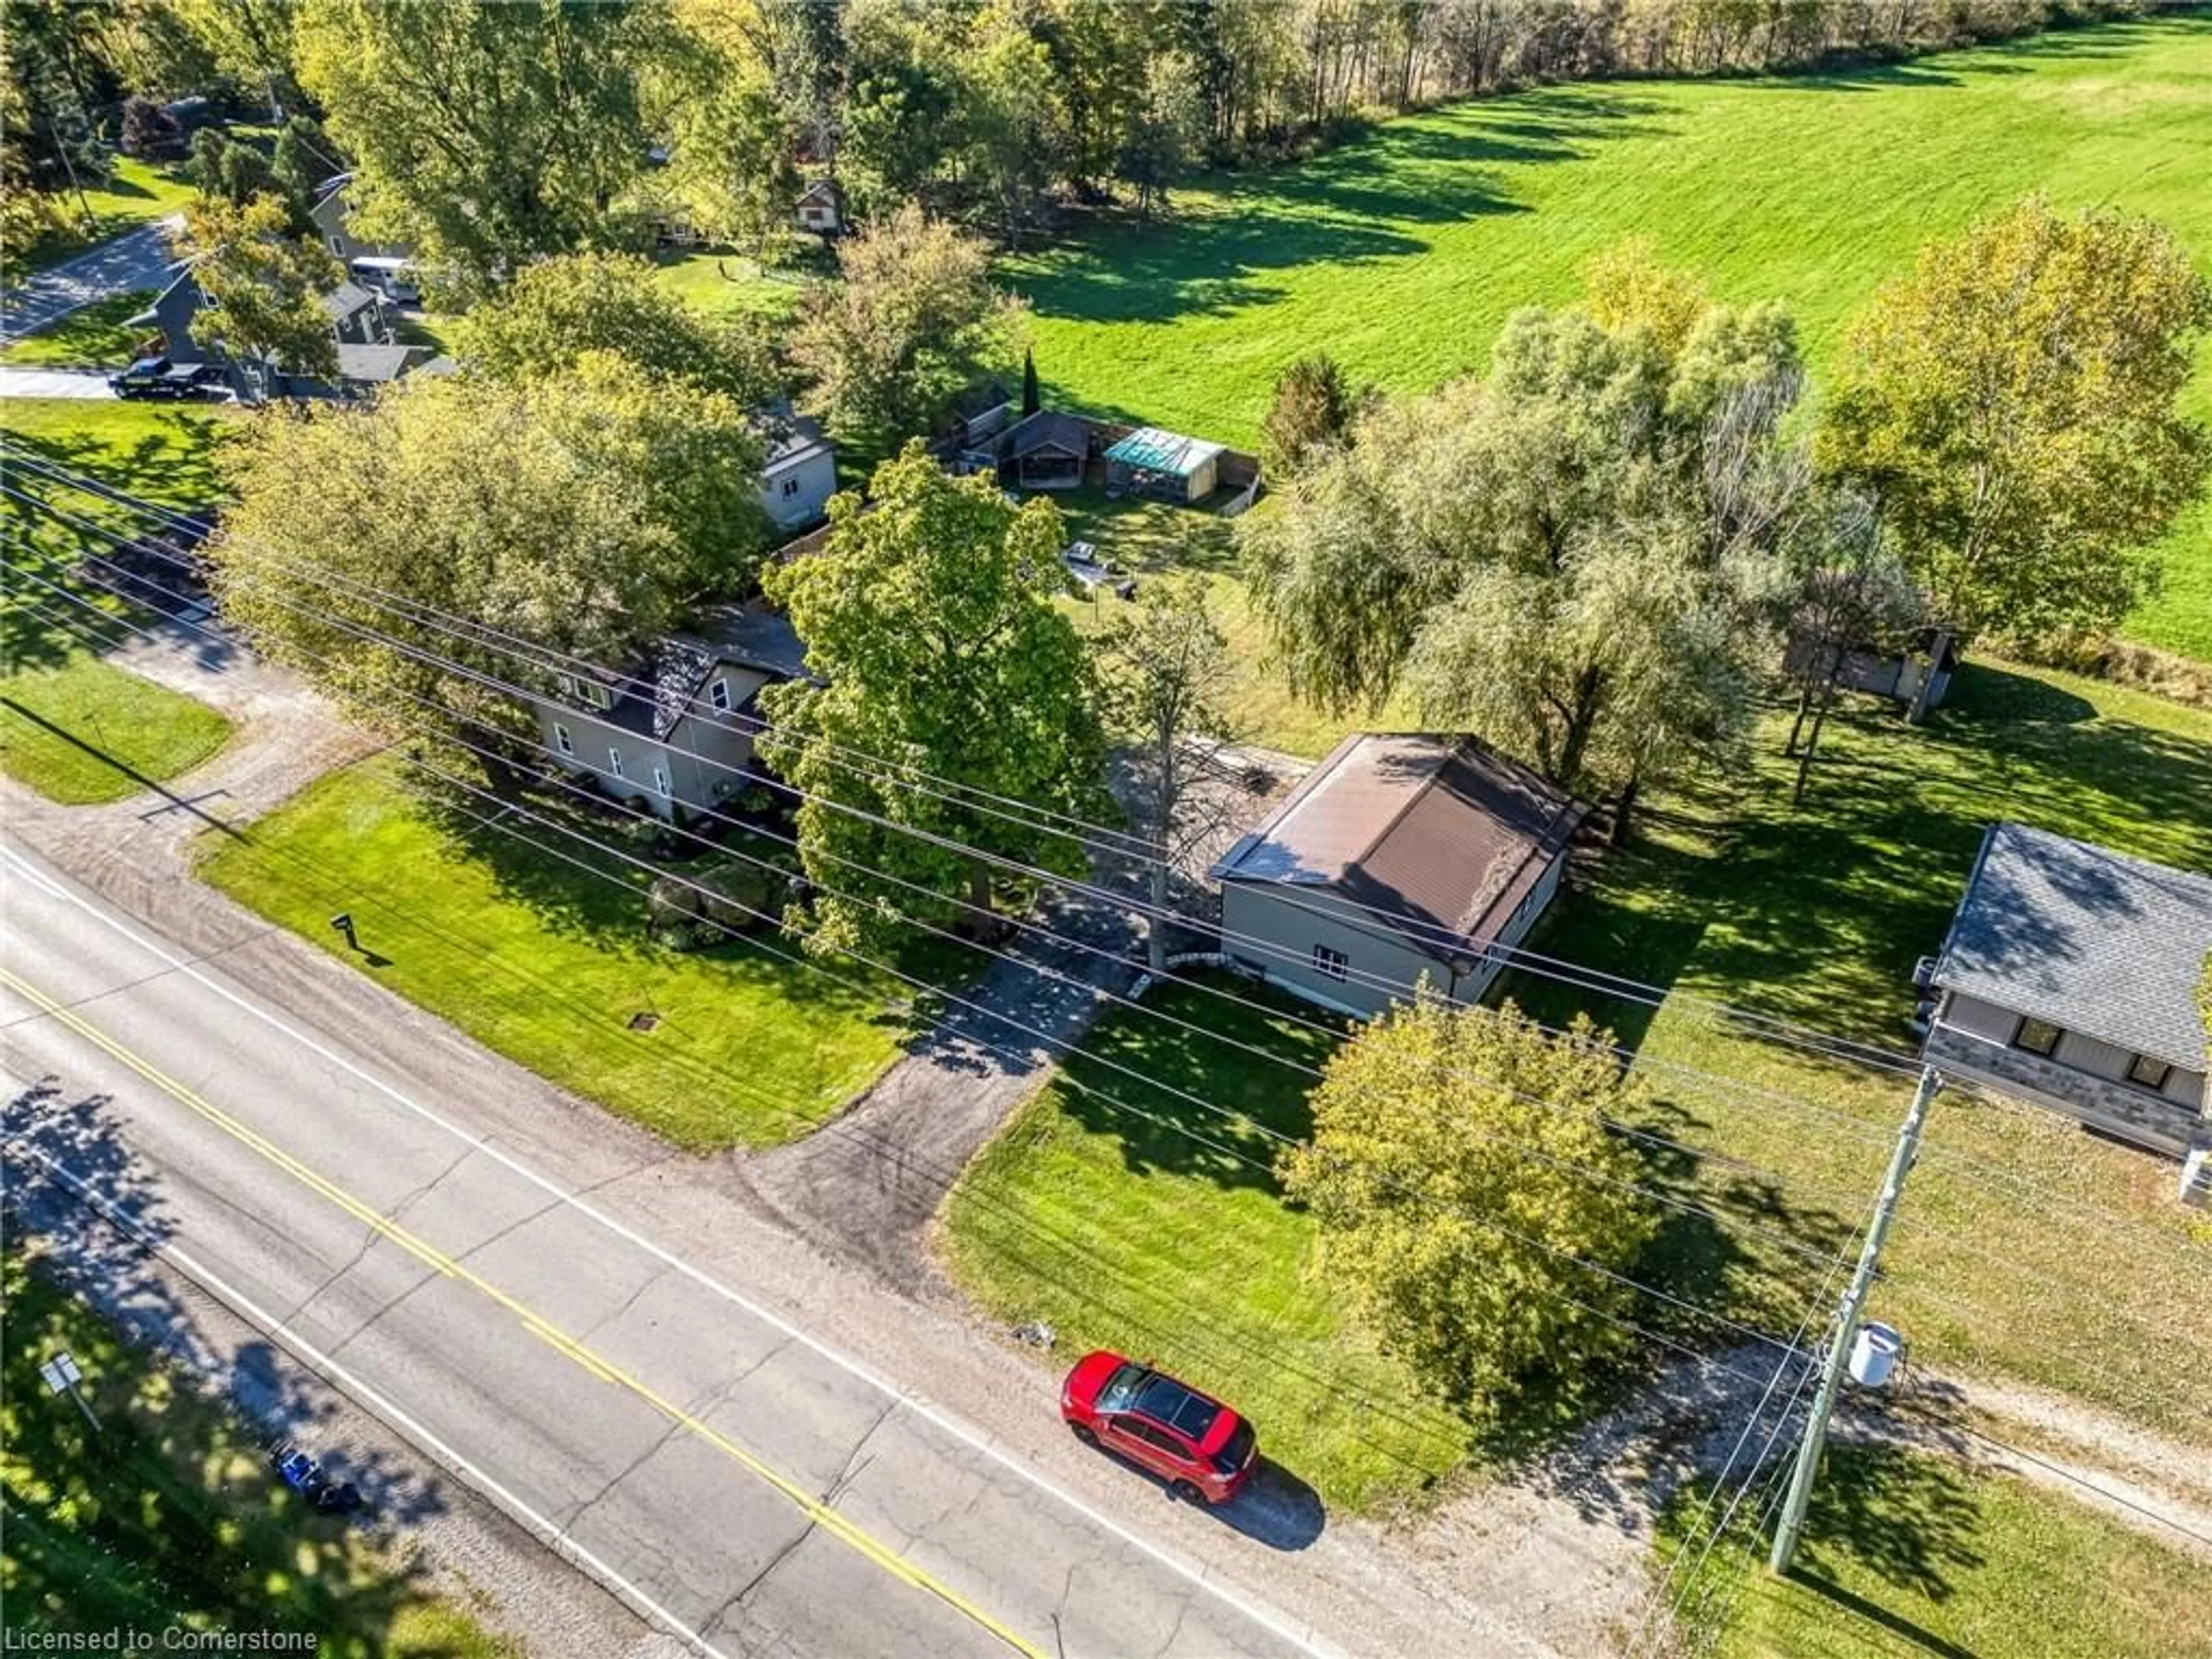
{"type": "Point", "coordinates": [1122, 1231]}
{"type": "Point", "coordinates": [1907, 1555]}
{"type": "Point", "coordinates": [170, 1518]}
{"type": "Point", "coordinates": [79, 730]}
{"type": "Point", "coordinates": [549, 965]}
{"type": "Point", "coordinates": [98, 337]}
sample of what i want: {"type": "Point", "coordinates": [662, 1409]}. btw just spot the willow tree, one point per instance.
{"type": "Point", "coordinates": [1571, 556]}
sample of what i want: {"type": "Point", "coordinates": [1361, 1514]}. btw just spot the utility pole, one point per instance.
{"type": "Point", "coordinates": [1847, 1322]}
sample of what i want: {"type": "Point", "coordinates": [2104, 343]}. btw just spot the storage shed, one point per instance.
{"type": "Point", "coordinates": [1165, 465]}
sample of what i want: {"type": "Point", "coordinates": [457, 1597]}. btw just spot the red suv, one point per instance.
{"type": "Point", "coordinates": [1201, 1448]}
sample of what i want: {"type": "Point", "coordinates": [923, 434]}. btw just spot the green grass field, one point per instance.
{"type": "Point", "coordinates": [97, 337]}
{"type": "Point", "coordinates": [1095, 1212]}
{"type": "Point", "coordinates": [136, 193]}
{"type": "Point", "coordinates": [169, 1517]}
{"type": "Point", "coordinates": [724, 284]}
{"type": "Point", "coordinates": [1817, 915]}
{"type": "Point", "coordinates": [1907, 1556]}
{"type": "Point", "coordinates": [548, 964]}
{"type": "Point", "coordinates": [79, 730]}
{"type": "Point", "coordinates": [1402, 254]}
{"type": "Point", "coordinates": [48, 668]}
{"type": "Point", "coordinates": [1110, 1223]}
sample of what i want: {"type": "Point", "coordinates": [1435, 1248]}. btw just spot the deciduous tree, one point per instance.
{"type": "Point", "coordinates": [265, 287]}
{"type": "Point", "coordinates": [1571, 557]}
{"type": "Point", "coordinates": [2013, 405]}
{"type": "Point", "coordinates": [913, 318]}
{"type": "Point", "coordinates": [484, 135]}
{"type": "Point", "coordinates": [928, 618]}
{"type": "Point", "coordinates": [581, 511]}
{"type": "Point", "coordinates": [1169, 682]}
{"type": "Point", "coordinates": [1475, 1211]}
{"type": "Point", "coordinates": [556, 310]}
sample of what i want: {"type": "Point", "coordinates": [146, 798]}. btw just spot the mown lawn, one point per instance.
{"type": "Point", "coordinates": [1149, 539]}
{"type": "Point", "coordinates": [2003, 1263]}
{"type": "Point", "coordinates": [1404, 253]}
{"type": "Point", "coordinates": [48, 669]}
{"type": "Point", "coordinates": [1112, 1227]}
{"type": "Point", "coordinates": [548, 963]}
{"type": "Point", "coordinates": [1105, 1219]}
{"type": "Point", "coordinates": [80, 729]}
{"type": "Point", "coordinates": [170, 1516]}
{"type": "Point", "coordinates": [97, 337]}
{"type": "Point", "coordinates": [138, 191]}
{"type": "Point", "coordinates": [721, 283]}
{"type": "Point", "coordinates": [1907, 1555]}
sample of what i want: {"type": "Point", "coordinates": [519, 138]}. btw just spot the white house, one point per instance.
{"type": "Point", "coordinates": [800, 474]}
{"type": "Point", "coordinates": [1401, 857]}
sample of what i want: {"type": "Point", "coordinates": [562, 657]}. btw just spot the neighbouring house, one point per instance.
{"type": "Point", "coordinates": [1399, 856]}
{"type": "Point", "coordinates": [821, 208]}
{"type": "Point", "coordinates": [1044, 451]}
{"type": "Point", "coordinates": [332, 216]}
{"type": "Point", "coordinates": [2068, 980]}
{"type": "Point", "coordinates": [674, 731]}
{"type": "Point", "coordinates": [801, 473]}
{"type": "Point", "coordinates": [1919, 679]}
{"type": "Point", "coordinates": [360, 321]}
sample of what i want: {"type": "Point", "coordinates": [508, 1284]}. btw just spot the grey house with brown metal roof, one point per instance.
{"type": "Point", "coordinates": [1401, 857]}
{"type": "Point", "coordinates": [2068, 980]}
{"type": "Point", "coordinates": [675, 731]}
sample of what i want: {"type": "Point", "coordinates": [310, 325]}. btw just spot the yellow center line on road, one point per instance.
{"type": "Point", "coordinates": [819, 1513]}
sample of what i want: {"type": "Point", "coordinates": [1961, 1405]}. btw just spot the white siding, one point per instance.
{"type": "Point", "coordinates": [812, 478]}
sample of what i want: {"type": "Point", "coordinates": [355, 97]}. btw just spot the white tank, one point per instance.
{"type": "Point", "coordinates": [1874, 1354]}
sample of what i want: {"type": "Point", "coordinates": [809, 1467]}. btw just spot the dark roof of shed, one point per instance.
{"type": "Point", "coordinates": [979, 398]}
{"type": "Point", "coordinates": [1046, 430]}
{"type": "Point", "coordinates": [343, 301]}
{"type": "Point", "coordinates": [789, 437]}
{"type": "Point", "coordinates": [2092, 940]}
{"type": "Point", "coordinates": [1437, 837]}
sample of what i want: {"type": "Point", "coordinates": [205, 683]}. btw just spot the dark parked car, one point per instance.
{"type": "Point", "coordinates": [1201, 1448]}
{"type": "Point", "coordinates": [158, 377]}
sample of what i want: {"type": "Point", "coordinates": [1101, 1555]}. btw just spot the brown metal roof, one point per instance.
{"type": "Point", "coordinates": [1438, 836]}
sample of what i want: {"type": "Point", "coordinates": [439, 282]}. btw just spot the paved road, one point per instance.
{"type": "Point", "coordinates": [745, 1485]}
{"type": "Point", "coordinates": [137, 258]}
{"type": "Point", "coordinates": [54, 382]}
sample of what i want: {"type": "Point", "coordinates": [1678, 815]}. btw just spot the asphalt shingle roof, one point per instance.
{"type": "Point", "coordinates": [2090, 939]}
{"type": "Point", "coordinates": [1438, 836]}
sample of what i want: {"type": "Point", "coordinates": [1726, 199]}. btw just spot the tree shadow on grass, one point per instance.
{"type": "Point", "coordinates": [175, 464]}
{"type": "Point", "coordinates": [1908, 1518]}
{"type": "Point", "coordinates": [169, 1508]}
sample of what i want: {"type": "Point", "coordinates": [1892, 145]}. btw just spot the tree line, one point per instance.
{"type": "Point", "coordinates": [615, 114]}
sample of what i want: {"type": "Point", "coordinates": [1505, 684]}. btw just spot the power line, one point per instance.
{"type": "Point", "coordinates": [907, 776]}
{"type": "Point", "coordinates": [1854, 1126]}
{"type": "Point", "coordinates": [1261, 1130]}
{"type": "Point", "coordinates": [1102, 992]}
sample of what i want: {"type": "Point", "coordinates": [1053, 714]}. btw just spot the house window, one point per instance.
{"type": "Point", "coordinates": [790, 487]}
{"type": "Point", "coordinates": [2037, 1036]}
{"type": "Point", "coordinates": [2150, 1074]}
{"type": "Point", "coordinates": [614, 761]}
{"type": "Point", "coordinates": [1331, 964]}
{"type": "Point", "coordinates": [337, 246]}
{"type": "Point", "coordinates": [560, 740]}
{"type": "Point", "coordinates": [720, 696]}
{"type": "Point", "coordinates": [596, 694]}
{"type": "Point", "coordinates": [659, 781]}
